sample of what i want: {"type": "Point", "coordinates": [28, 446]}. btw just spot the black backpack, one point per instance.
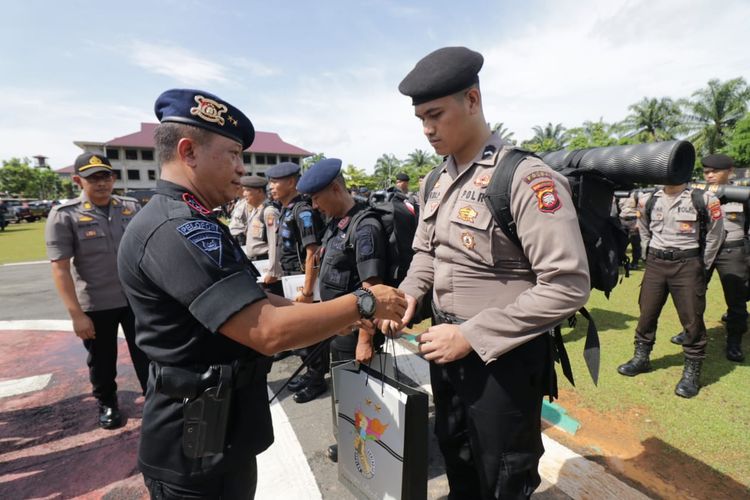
{"type": "Point", "coordinates": [603, 237]}
{"type": "Point", "coordinates": [399, 219]}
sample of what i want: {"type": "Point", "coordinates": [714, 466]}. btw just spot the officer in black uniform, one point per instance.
{"type": "Point", "coordinates": [202, 318]}
{"type": "Point", "coordinates": [297, 242]}
{"type": "Point", "coordinates": [354, 253]}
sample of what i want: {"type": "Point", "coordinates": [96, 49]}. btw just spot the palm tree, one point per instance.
{"type": "Point", "coordinates": [499, 129]}
{"type": "Point", "coordinates": [549, 138]}
{"type": "Point", "coordinates": [653, 120]}
{"type": "Point", "coordinates": [713, 111]}
{"type": "Point", "coordinates": [385, 168]}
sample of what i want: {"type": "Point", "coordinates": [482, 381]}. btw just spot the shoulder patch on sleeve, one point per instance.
{"type": "Point", "coordinates": [715, 209]}
{"type": "Point", "coordinates": [365, 241]}
{"type": "Point", "coordinates": [548, 200]}
{"type": "Point", "coordinates": [537, 174]}
{"type": "Point", "coordinates": [306, 216]}
{"type": "Point", "coordinates": [206, 236]}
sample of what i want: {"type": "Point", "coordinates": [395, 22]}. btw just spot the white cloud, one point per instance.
{"type": "Point", "coordinates": [177, 62]}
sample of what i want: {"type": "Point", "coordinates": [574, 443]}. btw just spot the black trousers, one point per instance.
{"type": "Point", "coordinates": [488, 421]}
{"type": "Point", "coordinates": [344, 347]}
{"type": "Point", "coordinates": [685, 281]}
{"type": "Point", "coordinates": [634, 238]}
{"type": "Point", "coordinates": [731, 265]}
{"type": "Point", "coordinates": [317, 363]}
{"type": "Point", "coordinates": [102, 352]}
{"type": "Point", "coordinates": [239, 484]}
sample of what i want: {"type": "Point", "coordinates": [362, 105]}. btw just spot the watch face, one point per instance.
{"type": "Point", "coordinates": [368, 304]}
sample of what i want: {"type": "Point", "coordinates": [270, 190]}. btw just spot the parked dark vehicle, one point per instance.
{"type": "Point", "coordinates": [40, 209]}
{"type": "Point", "coordinates": [18, 210]}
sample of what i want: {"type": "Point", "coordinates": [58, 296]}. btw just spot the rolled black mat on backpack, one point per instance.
{"type": "Point", "coordinates": [669, 162]}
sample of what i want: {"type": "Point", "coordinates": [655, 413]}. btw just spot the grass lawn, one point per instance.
{"type": "Point", "coordinates": [23, 242]}
{"type": "Point", "coordinates": [713, 427]}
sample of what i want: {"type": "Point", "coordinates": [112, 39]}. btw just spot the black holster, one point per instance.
{"type": "Point", "coordinates": [207, 402]}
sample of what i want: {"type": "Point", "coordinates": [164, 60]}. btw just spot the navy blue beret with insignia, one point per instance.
{"type": "Point", "coordinates": [718, 162]}
{"type": "Point", "coordinates": [253, 181]}
{"type": "Point", "coordinates": [364, 190]}
{"type": "Point", "coordinates": [441, 73]}
{"type": "Point", "coordinates": [204, 110]}
{"type": "Point", "coordinates": [320, 175]}
{"type": "Point", "coordinates": [284, 169]}
{"type": "Point", "coordinates": [402, 177]}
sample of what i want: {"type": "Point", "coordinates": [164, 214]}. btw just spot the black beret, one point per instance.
{"type": "Point", "coordinates": [253, 181]}
{"type": "Point", "coordinates": [204, 110]}
{"type": "Point", "coordinates": [402, 177]}
{"type": "Point", "coordinates": [282, 170]}
{"type": "Point", "coordinates": [441, 73]}
{"type": "Point", "coordinates": [90, 163]}
{"type": "Point", "coordinates": [718, 162]}
{"type": "Point", "coordinates": [319, 176]}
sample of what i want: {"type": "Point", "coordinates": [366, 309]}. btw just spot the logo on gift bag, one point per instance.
{"type": "Point", "coordinates": [368, 429]}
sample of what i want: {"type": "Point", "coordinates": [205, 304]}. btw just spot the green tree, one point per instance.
{"type": "Point", "coordinates": [504, 134]}
{"type": "Point", "coordinates": [357, 177]}
{"type": "Point", "coordinates": [386, 167]}
{"type": "Point", "coordinates": [714, 110]}
{"type": "Point", "coordinates": [311, 160]}
{"type": "Point", "coordinates": [738, 146]}
{"type": "Point", "coordinates": [547, 138]}
{"type": "Point", "coordinates": [592, 135]}
{"type": "Point", "coordinates": [653, 120]}
{"type": "Point", "coordinates": [17, 177]}
{"type": "Point", "coordinates": [419, 163]}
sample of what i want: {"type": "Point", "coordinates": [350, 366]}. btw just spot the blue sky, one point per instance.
{"type": "Point", "coordinates": [324, 75]}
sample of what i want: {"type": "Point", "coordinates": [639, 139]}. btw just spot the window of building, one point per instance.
{"type": "Point", "coordinates": [261, 174]}
{"type": "Point", "coordinates": [134, 175]}
{"type": "Point", "coordinates": [118, 174]}
{"type": "Point", "coordinates": [152, 175]}
{"type": "Point", "coordinates": [247, 158]}
{"type": "Point", "coordinates": [295, 160]}
{"type": "Point", "coordinates": [260, 159]}
{"type": "Point", "coordinates": [271, 159]}
{"type": "Point", "coordinates": [147, 155]}
{"type": "Point", "coordinates": [113, 154]}
{"type": "Point", "coordinates": [282, 159]}
{"type": "Point", "coordinates": [131, 154]}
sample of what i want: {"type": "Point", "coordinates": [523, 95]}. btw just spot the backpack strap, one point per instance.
{"type": "Point", "coordinates": [699, 202]}
{"type": "Point", "coordinates": [430, 181]}
{"type": "Point", "coordinates": [351, 229]}
{"type": "Point", "coordinates": [497, 195]}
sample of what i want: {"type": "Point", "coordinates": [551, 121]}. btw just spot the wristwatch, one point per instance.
{"type": "Point", "coordinates": [365, 302]}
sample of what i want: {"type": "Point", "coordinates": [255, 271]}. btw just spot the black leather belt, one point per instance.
{"type": "Point", "coordinates": [260, 257]}
{"type": "Point", "coordinates": [444, 317]}
{"type": "Point", "coordinates": [674, 254]}
{"type": "Point", "coordinates": [733, 244]}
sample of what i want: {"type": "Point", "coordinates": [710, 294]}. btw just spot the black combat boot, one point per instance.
{"type": "Point", "coordinates": [688, 385]}
{"type": "Point", "coordinates": [678, 339]}
{"type": "Point", "coordinates": [109, 415]}
{"type": "Point", "coordinates": [640, 362]}
{"type": "Point", "coordinates": [734, 348]}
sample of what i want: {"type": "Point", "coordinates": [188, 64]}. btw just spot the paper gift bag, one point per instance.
{"type": "Point", "coordinates": [294, 285]}
{"type": "Point", "coordinates": [382, 435]}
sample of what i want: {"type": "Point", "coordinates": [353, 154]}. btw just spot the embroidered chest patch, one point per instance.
{"type": "Point", "coordinates": [467, 214]}
{"type": "Point", "coordinates": [206, 236]}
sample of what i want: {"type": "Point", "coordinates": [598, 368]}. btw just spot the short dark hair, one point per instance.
{"type": "Point", "coordinates": [341, 180]}
{"type": "Point", "coordinates": [168, 134]}
{"type": "Point", "coordinates": [459, 96]}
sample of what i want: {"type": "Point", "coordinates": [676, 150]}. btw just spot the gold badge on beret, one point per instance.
{"type": "Point", "coordinates": [209, 110]}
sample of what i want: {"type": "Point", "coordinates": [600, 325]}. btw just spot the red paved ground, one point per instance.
{"type": "Point", "coordinates": [50, 443]}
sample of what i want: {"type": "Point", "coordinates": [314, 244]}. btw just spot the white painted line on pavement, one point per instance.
{"type": "Point", "coordinates": [26, 263]}
{"type": "Point", "coordinates": [53, 325]}
{"type": "Point", "coordinates": [283, 471]}
{"type": "Point", "coordinates": [575, 475]}
{"type": "Point", "coordinates": [14, 387]}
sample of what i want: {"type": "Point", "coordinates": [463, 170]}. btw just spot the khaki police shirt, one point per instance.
{"type": "Point", "coordinates": [734, 220]}
{"type": "Point", "coordinates": [271, 217]}
{"type": "Point", "coordinates": [81, 231]}
{"type": "Point", "coordinates": [674, 224]}
{"type": "Point", "coordinates": [255, 244]}
{"type": "Point", "coordinates": [238, 219]}
{"type": "Point", "coordinates": [629, 211]}
{"type": "Point", "coordinates": [507, 295]}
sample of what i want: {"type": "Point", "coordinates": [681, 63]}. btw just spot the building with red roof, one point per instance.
{"type": "Point", "coordinates": [136, 167]}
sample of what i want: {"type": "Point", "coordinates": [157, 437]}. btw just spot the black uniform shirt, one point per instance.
{"type": "Point", "coordinates": [185, 276]}
{"type": "Point", "coordinates": [299, 226]}
{"type": "Point", "coordinates": [347, 262]}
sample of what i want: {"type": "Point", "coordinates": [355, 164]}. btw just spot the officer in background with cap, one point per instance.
{"type": "Point", "coordinates": [257, 210]}
{"type": "Point", "coordinates": [402, 184]}
{"type": "Point", "coordinates": [83, 236]}
{"type": "Point", "coordinates": [731, 262]}
{"type": "Point", "coordinates": [494, 304]}
{"type": "Point", "coordinates": [297, 243]}
{"type": "Point", "coordinates": [680, 247]}
{"type": "Point", "coordinates": [202, 318]}
{"type": "Point", "coordinates": [353, 253]}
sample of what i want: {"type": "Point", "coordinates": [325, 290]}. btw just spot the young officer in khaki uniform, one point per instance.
{"type": "Point", "coordinates": [731, 263]}
{"type": "Point", "coordinates": [238, 220]}
{"type": "Point", "coordinates": [628, 213]}
{"type": "Point", "coordinates": [494, 304]}
{"type": "Point", "coordinates": [83, 236]}
{"type": "Point", "coordinates": [676, 265]}
{"type": "Point", "coordinates": [256, 232]}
